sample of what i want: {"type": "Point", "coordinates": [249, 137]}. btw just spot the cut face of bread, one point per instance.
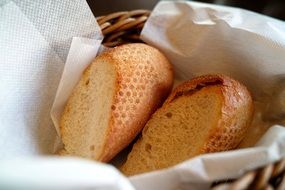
{"type": "Point", "coordinates": [89, 113]}
{"type": "Point", "coordinates": [207, 114]}
{"type": "Point", "coordinates": [113, 100]}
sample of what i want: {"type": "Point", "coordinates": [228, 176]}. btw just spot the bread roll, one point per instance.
{"type": "Point", "coordinates": [113, 100]}
{"type": "Point", "coordinates": [207, 114]}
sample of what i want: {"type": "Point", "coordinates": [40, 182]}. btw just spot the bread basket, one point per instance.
{"type": "Point", "coordinates": [125, 27]}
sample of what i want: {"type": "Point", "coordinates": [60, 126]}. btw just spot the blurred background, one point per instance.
{"type": "Point", "coordinates": [273, 8]}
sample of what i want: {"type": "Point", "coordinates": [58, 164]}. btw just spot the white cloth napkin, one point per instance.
{"type": "Point", "coordinates": [51, 173]}
{"type": "Point", "coordinates": [202, 38]}
{"type": "Point", "coordinates": [35, 38]}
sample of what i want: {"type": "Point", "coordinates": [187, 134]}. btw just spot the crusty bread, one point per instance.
{"type": "Point", "coordinates": [207, 114]}
{"type": "Point", "coordinates": [113, 100]}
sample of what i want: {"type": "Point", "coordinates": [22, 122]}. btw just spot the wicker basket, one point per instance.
{"type": "Point", "coordinates": [125, 27]}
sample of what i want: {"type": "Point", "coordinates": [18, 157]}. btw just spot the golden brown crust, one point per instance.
{"type": "Point", "coordinates": [144, 79]}
{"type": "Point", "coordinates": [236, 114]}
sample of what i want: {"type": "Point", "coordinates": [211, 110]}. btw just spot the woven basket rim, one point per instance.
{"type": "Point", "coordinates": [122, 27]}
